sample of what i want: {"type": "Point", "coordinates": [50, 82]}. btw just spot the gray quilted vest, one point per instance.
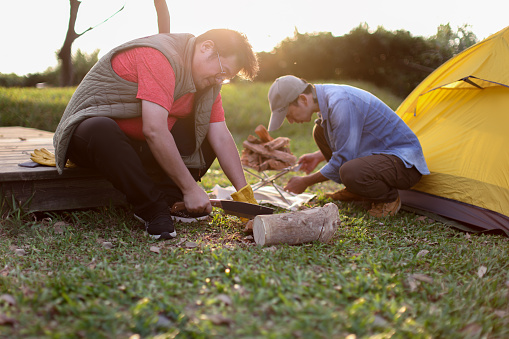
{"type": "Point", "coordinates": [103, 93]}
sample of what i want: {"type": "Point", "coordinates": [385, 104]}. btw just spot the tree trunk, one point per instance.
{"type": "Point", "coordinates": [65, 53]}
{"type": "Point", "coordinates": [297, 227]}
{"type": "Point", "coordinates": [65, 56]}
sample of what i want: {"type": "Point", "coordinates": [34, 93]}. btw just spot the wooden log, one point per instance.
{"type": "Point", "coordinates": [272, 164]}
{"type": "Point", "coordinates": [262, 132]}
{"type": "Point", "coordinates": [288, 158]}
{"type": "Point", "coordinates": [253, 139]}
{"type": "Point", "coordinates": [297, 227]}
{"type": "Point", "coordinates": [277, 143]}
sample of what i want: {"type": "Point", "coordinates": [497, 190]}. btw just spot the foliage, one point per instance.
{"type": "Point", "coordinates": [82, 62]}
{"type": "Point", "coordinates": [448, 43]}
{"type": "Point", "coordinates": [394, 60]}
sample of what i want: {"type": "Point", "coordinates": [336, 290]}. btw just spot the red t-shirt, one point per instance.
{"type": "Point", "coordinates": [154, 75]}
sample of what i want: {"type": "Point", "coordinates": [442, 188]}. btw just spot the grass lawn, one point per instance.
{"type": "Point", "coordinates": [95, 274]}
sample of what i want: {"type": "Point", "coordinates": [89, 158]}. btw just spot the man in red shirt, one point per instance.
{"type": "Point", "coordinates": [149, 116]}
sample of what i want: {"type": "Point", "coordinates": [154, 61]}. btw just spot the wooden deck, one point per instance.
{"type": "Point", "coordinates": [42, 188]}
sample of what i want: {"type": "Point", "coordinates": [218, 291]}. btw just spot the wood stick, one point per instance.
{"type": "Point", "coordinates": [262, 132]}
{"type": "Point", "coordinates": [272, 164]}
{"type": "Point", "coordinates": [297, 227]}
{"type": "Point", "coordinates": [253, 139]}
{"type": "Point", "coordinates": [277, 143]}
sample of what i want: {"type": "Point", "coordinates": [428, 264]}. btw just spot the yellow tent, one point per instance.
{"type": "Point", "coordinates": [460, 113]}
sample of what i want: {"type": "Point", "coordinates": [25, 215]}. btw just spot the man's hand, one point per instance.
{"type": "Point", "coordinates": [309, 161]}
{"type": "Point", "coordinates": [197, 201]}
{"type": "Point", "coordinates": [296, 185]}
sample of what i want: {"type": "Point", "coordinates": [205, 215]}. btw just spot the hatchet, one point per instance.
{"type": "Point", "coordinates": [237, 208]}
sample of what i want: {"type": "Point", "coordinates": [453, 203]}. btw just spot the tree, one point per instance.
{"type": "Point", "coordinates": [65, 56]}
{"type": "Point", "coordinates": [449, 43]}
{"type": "Point", "coordinates": [392, 59]}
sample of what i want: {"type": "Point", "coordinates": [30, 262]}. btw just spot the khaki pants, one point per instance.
{"type": "Point", "coordinates": [377, 177]}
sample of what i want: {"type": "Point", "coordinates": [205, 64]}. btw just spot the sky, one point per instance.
{"type": "Point", "coordinates": [32, 31]}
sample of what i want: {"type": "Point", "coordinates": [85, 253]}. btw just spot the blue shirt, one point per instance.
{"type": "Point", "coordinates": [358, 124]}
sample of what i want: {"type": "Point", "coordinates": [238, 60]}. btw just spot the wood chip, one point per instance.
{"type": "Point", "coordinates": [481, 271]}
{"type": "Point", "coordinates": [5, 320]}
{"type": "Point", "coordinates": [422, 253]}
{"type": "Point", "coordinates": [225, 299]}
{"type": "Point", "coordinates": [5, 271]}
{"type": "Point", "coordinates": [191, 244]}
{"type": "Point", "coordinates": [218, 319]}
{"type": "Point", "coordinates": [423, 277]}
{"type": "Point", "coordinates": [9, 299]}
{"type": "Point", "coordinates": [107, 245]}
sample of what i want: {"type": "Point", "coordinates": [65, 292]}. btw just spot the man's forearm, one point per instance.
{"type": "Point", "coordinates": [314, 178]}
{"type": "Point", "coordinates": [167, 155]}
{"type": "Point", "coordinates": [300, 184]}
{"type": "Point", "coordinates": [227, 154]}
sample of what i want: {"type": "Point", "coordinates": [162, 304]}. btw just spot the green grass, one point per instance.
{"type": "Point", "coordinates": [368, 281]}
{"type": "Point", "coordinates": [373, 280]}
{"type": "Point", "coordinates": [245, 105]}
{"type": "Point", "coordinates": [33, 107]}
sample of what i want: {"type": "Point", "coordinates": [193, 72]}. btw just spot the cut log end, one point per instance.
{"type": "Point", "coordinates": [259, 231]}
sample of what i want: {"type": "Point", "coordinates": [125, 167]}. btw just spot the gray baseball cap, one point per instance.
{"type": "Point", "coordinates": [283, 91]}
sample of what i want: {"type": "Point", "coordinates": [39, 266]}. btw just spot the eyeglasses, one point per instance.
{"type": "Point", "coordinates": [221, 77]}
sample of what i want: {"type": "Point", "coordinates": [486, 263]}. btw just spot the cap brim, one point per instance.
{"type": "Point", "coordinates": [277, 118]}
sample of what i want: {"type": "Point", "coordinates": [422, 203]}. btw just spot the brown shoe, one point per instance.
{"type": "Point", "coordinates": [384, 209]}
{"type": "Point", "coordinates": [344, 195]}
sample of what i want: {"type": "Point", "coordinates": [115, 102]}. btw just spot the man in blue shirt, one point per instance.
{"type": "Point", "coordinates": [368, 148]}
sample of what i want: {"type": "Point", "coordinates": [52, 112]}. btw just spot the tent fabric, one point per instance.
{"type": "Point", "coordinates": [464, 213]}
{"type": "Point", "coordinates": [460, 113]}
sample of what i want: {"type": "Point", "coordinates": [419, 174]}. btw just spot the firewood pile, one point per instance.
{"type": "Point", "coordinates": [264, 153]}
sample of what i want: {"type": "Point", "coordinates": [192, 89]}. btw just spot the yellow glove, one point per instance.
{"type": "Point", "coordinates": [245, 194]}
{"type": "Point", "coordinates": [44, 157]}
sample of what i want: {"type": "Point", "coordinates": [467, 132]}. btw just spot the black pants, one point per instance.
{"type": "Point", "coordinates": [129, 165]}
{"type": "Point", "coordinates": [377, 177]}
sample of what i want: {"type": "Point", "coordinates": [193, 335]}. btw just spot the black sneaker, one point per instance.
{"type": "Point", "coordinates": [160, 227]}
{"type": "Point", "coordinates": [186, 216]}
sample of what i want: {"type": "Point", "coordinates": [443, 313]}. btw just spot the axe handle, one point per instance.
{"type": "Point", "coordinates": [179, 206]}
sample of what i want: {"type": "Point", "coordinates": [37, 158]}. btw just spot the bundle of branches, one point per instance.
{"type": "Point", "coordinates": [266, 153]}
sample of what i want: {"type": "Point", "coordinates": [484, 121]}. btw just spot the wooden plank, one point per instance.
{"type": "Point", "coordinates": [17, 132]}
{"type": "Point", "coordinates": [42, 188]}
{"type": "Point", "coordinates": [61, 194]}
